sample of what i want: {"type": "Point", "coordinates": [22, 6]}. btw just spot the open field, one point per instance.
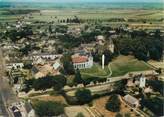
{"type": "Point", "coordinates": [157, 64]}
{"type": "Point", "coordinates": [124, 64]}
{"type": "Point", "coordinates": [119, 66]}
{"type": "Point", "coordinates": [88, 14]}
{"type": "Point", "coordinates": [98, 14]}
{"type": "Point", "coordinates": [49, 98]}
{"type": "Point", "coordinates": [99, 105]}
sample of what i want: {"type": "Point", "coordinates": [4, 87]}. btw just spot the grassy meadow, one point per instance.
{"type": "Point", "coordinates": [124, 64]}
{"type": "Point", "coordinates": [119, 66]}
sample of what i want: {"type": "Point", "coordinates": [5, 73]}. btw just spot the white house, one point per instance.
{"type": "Point", "coordinates": [132, 101]}
{"type": "Point", "coordinates": [100, 40]}
{"type": "Point", "coordinates": [22, 109]}
{"type": "Point", "coordinates": [142, 82]}
{"type": "Point", "coordinates": [82, 61]}
{"type": "Point", "coordinates": [30, 111]}
{"type": "Point", "coordinates": [14, 66]}
{"type": "Point", "coordinates": [111, 46]}
{"type": "Point", "coordinates": [56, 65]}
{"type": "Point", "coordinates": [45, 56]}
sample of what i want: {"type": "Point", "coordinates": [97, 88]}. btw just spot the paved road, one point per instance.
{"type": "Point", "coordinates": [7, 97]}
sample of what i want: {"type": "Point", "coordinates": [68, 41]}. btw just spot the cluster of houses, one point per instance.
{"type": "Point", "coordinates": [44, 64]}
{"type": "Point", "coordinates": [22, 109]}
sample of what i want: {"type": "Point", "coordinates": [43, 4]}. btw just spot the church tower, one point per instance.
{"type": "Point", "coordinates": [142, 82]}
{"type": "Point", "coordinates": [111, 46]}
{"type": "Point", "coordinates": [103, 61]}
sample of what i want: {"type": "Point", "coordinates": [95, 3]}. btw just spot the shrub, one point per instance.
{"type": "Point", "coordinates": [113, 103]}
{"type": "Point", "coordinates": [119, 115]}
{"type": "Point", "coordinates": [80, 115]}
{"type": "Point", "coordinates": [83, 96]}
{"type": "Point", "coordinates": [48, 108]}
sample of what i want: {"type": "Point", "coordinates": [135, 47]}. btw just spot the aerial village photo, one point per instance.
{"type": "Point", "coordinates": [81, 58]}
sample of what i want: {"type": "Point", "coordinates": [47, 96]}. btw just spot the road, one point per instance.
{"type": "Point", "coordinates": [7, 96]}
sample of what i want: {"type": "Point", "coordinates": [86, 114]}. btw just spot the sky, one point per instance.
{"type": "Point", "coordinates": [83, 1]}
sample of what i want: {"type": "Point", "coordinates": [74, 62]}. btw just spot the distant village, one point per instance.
{"type": "Point", "coordinates": [73, 61]}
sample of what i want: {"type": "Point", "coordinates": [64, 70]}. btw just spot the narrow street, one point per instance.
{"type": "Point", "coordinates": [7, 96]}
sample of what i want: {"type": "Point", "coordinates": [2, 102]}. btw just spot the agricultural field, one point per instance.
{"type": "Point", "coordinates": [138, 19]}
{"type": "Point", "coordinates": [97, 14]}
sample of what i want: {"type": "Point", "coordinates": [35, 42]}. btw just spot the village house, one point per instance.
{"type": "Point", "coordinates": [89, 46]}
{"type": "Point", "coordinates": [39, 71]}
{"type": "Point", "coordinates": [82, 60]}
{"type": "Point", "coordinates": [100, 40]}
{"type": "Point", "coordinates": [22, 109]}
{"type": "Point", "coordinates": [29, 110]}
{"type": "Point", "coordinates": [111, 46]}
{"type": "Point", "coordinates": [14, 66]}
{"type": "Point", "coordinates": [44, 56]}
{"type": "Point", "coordinates": [132, 101]}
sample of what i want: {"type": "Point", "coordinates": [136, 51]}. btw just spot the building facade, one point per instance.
{"type": "Point", "coordinates": [14, 66]}
{"type": "Point", "coordinates": [45, 56]}
{"type": "Point", "coordinates": [82, 62]}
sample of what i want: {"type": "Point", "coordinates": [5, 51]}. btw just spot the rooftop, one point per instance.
{"type": "Point", "coordinates": [79, 59]}
{"type": "Point", "coordinates": [130, 99]}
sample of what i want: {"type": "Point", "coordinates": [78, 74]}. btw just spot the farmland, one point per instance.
{"type": "Point", "coordinates": [133, 17]}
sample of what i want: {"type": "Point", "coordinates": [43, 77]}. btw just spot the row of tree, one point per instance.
{"type": "Point", "coordinates": [56, 82]}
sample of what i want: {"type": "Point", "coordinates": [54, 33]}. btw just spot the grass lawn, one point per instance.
{"type": "Point", "coordinates": [124, 64]}
{"type": "Point", "coordinates": [96, 70]}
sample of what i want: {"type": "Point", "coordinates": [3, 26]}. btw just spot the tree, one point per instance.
{"type": "Point", "coordinates": [78, 79]}
{"type": "Point", "coordinates": [83, 96]}
{"type": "Point", "coordinates": [56, 82]}
{"type": "Point", "coordinates": [59, 82]}
{"type": "Point", "coordinates": [48, 108]}
{"type": "Point", "coordinates": [156, 85]}
{"type": "Point", "coordinates": [50, 29]}
{"type": "Point", "coordinates": [16, 79]}
{"type": "Point", "coordinates": [120, 86]}
{"type": "Point", "coordinates": [154, 104]}
{"type": "Point", "coordinates": [119, 115]}
{"type": "Point", "coordinates": [108, 56]}
{"type": "Point", "coordinates": [28, 65]}
{"type": "Point", "coordinates": [80, 115]}
{"type": "Point", "coordinates": [25, 50]}
{"type": "Point", "coordinates": [113, 103]}
{"type": "Point", "coordinates": [28, 85]}
{"type": "Point", "coordinates": [127, 115]}
{"type": "Point", "coordinates": [67, 64]}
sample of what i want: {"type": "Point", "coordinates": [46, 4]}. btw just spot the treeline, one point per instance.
{"type": "Point", "coordinates": [70, 20]}
{"type": "Point", "coordinates": [56, 82]}
{"type": "Point", "coordinates": [18, 11]}
{"type": "Point", "coordinates": [140, 44]}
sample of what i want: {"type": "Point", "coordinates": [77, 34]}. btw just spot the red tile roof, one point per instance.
{"type": "Point", "coordinates": [79, 59]}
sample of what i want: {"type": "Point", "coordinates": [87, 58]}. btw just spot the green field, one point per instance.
{"type": "Point", "coordinates": [132, 17]}
{"type": "Point", "coordinates": [125, 64]}
{"type": "Point", "coordinates": [119, 66]}
{"type": "Point", "coordinates": [96, 70]}
{"type": "Point", "coordinates": [53, 15]}
{"type": "Point", "coordinates": [99, 14]}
